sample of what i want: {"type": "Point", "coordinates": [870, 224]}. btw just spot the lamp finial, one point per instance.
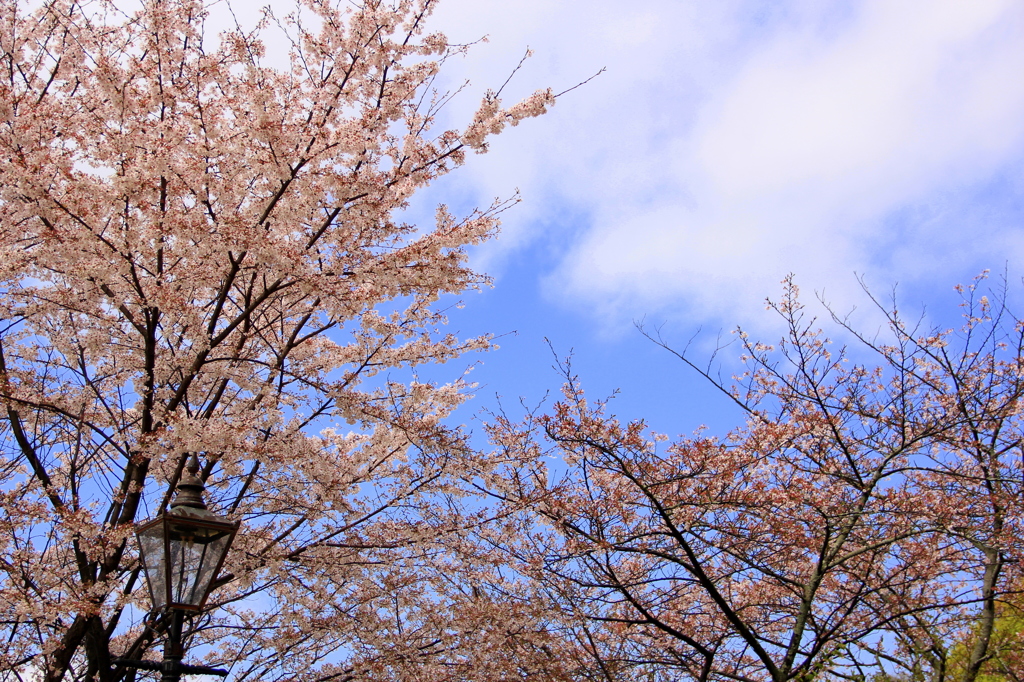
{"type": "Point", "coordinates": [190, 487]}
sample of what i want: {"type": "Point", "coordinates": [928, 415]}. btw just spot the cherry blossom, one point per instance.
{"type": "Point", "coordinates": [199, 253]}
{"type": "Point", "coordinates": [864, 519]}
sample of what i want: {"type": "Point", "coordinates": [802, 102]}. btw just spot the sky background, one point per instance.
{"type": "Point", "coordinates": [725, 145]}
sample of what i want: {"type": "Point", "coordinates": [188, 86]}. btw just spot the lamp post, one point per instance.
{"type": "Point", "coordinates": [182, 550]}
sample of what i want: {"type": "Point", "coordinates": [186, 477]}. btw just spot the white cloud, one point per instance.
{"type": "Point", "coordinates": [730, 143]}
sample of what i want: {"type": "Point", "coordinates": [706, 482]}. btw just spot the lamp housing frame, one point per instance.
{"type": "Point", "coordinates": [172, 525]}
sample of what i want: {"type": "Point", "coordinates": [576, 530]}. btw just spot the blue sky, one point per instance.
{"type": "Point", "coordinates": [726, 145]}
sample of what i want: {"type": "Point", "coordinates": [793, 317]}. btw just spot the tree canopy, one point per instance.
{"type": "Point", "coordinates": [863, 523]}
{"type": "Point", "coordinates": [200, 253]}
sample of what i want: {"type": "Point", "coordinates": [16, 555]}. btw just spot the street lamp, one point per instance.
{"type": "Point", "coordinates": [182, 550]}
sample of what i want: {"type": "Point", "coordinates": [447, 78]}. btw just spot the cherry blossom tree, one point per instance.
{"type": "Point", "coordinates": [864, 519]}
{"type": "Point", "coordinates": [200, 253]}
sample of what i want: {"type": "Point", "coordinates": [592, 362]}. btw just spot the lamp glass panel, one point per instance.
{"type": "Point", "coordinates": [151, 547]}
{"type": "Point", "coordinates": [193, 557]}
